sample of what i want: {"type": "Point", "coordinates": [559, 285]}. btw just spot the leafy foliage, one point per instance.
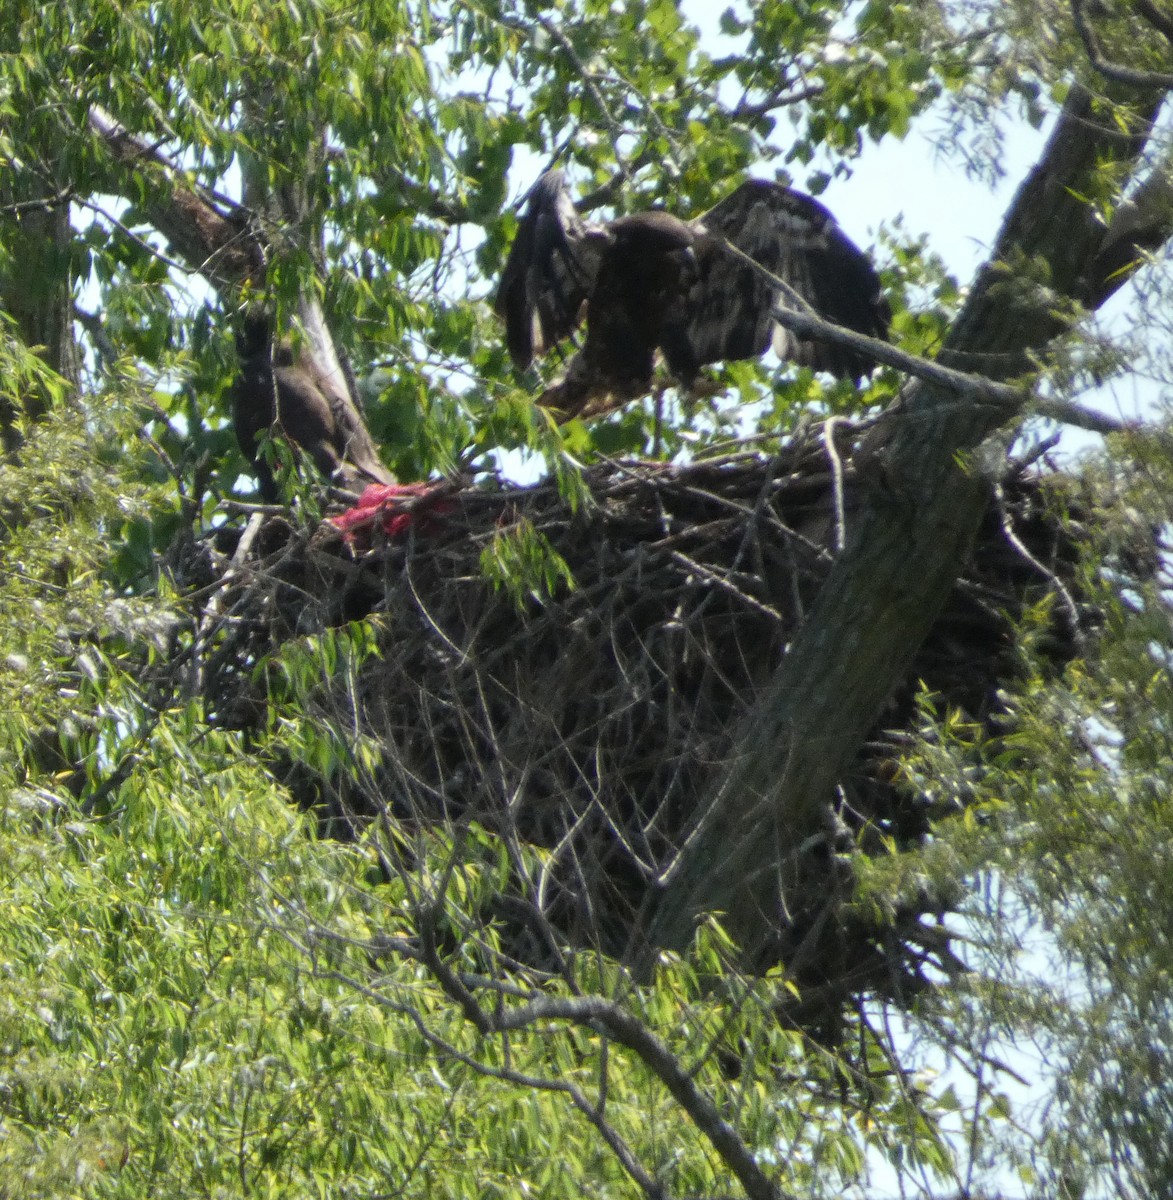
{"type": "Point", "coordinates": [201, 996]}
{"type": "Point", "coordinates": [1065, 823]}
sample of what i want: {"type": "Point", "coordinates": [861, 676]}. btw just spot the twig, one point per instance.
{"type": "Point", "coordinates": [1065, 597]}
{"type": "Point", "coordinates": [213, 612]}
{"type": "Point", "coordinates": [722, 582]}
{"type": "Point", "coordinates": [42, 204]}
{"type": "Point", "coordinates": [828, 438]}
{"type": "Point", "coordinates": [614, 129]}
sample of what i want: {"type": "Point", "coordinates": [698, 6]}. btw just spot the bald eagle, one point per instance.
{"type": "Point", "coordinates": [652, 283]}
{"type": "Point", "coordinates": [280, 391]}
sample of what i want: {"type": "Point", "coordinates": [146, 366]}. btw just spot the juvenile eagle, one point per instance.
{"type": "Point", "coordinates": [652, 282]}
{"type": "Point", "coordinates": [281, 392]}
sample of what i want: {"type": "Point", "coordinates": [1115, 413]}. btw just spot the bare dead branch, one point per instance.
{"type": "Point", "coordinates": [837, 481]}
{"type": "Point", "coordinates": [1010, 399]}
{"type": "Point", "coordinates": [1080, 416]}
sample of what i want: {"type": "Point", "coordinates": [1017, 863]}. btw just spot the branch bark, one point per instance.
{"type": "Point", "coordinates": [219, 247]}
{"type": "Point", "coordinates": [750, 854]}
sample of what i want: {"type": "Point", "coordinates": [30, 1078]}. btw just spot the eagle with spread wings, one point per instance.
{"type": "Point", "coordinates": [651, 283]}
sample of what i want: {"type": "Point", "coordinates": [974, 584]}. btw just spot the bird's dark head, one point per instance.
{"type": "Point", "coordinates": [548, 189]}
{"type": "Point", "coordinates": [655, 231]}
{"type": "Point", "coordinates": [254, 332]}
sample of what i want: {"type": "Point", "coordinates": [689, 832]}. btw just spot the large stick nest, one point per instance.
{"type": "Point", "coordinates": [590, 721]}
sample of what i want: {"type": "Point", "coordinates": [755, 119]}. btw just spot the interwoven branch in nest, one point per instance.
{"type": "Point", "coordinates": [589, 722]}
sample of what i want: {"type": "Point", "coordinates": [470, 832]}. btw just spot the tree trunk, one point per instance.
{"type": "Point", "coordinates": [925, 470]}
{"type": "Point", "coordinates": [36, 283]}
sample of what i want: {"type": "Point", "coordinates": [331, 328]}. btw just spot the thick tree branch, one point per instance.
{"type": "Point", "coordinates": [749, 853]}
{"type": "Point", "coordinates": [424, 200]}
{"type": "Point", "coordinates": [42, 204]}
{"type": "Point", "coordinates": [1138, 226]}
{"type": "Point", "coordinates": [622, 1027]}
{"type": "Point", "coordinates": [1010, 399]}
{"type": "Point", "coordinates": [219, 247]}
{"type": "Point", "coordinates": [605, 1016]}
{"type": "Point", "coordinates": [747, 110]}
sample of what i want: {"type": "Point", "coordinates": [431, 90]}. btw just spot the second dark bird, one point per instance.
{"type": "Point", "coordinates": [280, 391]}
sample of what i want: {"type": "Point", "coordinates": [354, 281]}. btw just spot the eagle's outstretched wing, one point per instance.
{"type": "Point", "coordinates": [796, 238]}
{"type": "Point", "coordinates": [653, 284]}
{"type": "Point", "coordinates": [550, 271]}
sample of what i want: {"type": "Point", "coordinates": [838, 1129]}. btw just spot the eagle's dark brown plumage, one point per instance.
{"type": "Point", "coordinates": [653, 283]}
{"type": "Point", "coordinates": [280, 391]}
